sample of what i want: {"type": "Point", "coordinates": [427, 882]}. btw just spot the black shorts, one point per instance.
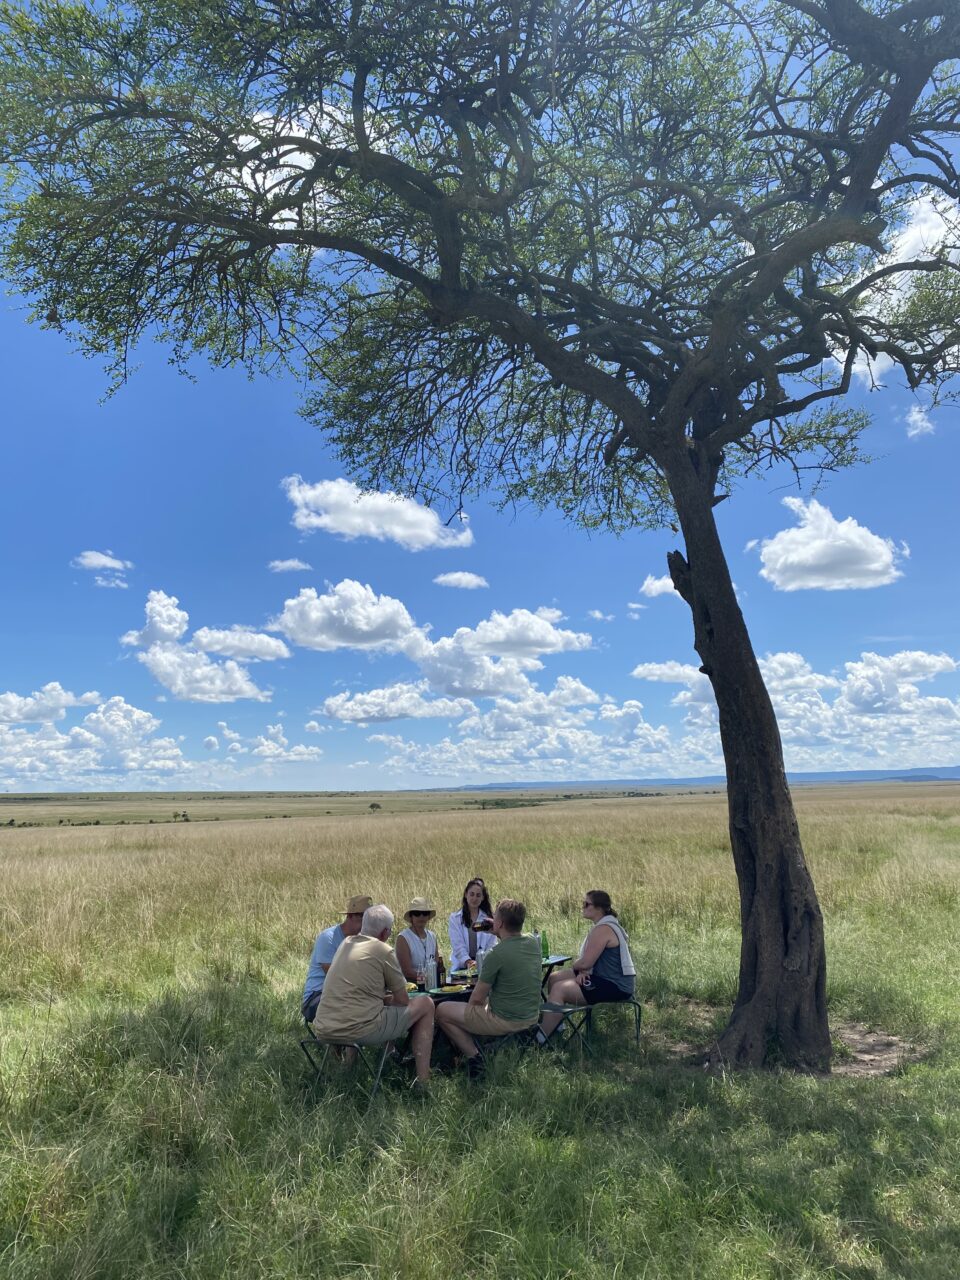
{"type": "Point", "coordinates": [603, 991]}
{"type": "Point", "coordinates": [311, 1006]}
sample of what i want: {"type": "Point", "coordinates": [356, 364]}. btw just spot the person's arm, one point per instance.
{"type": "Point", "coordinates": [394, 981]}
{"type": "Point", "coordinates": [597, 941]}
{"type": "Point", "coordinates": [405, 960]}
{"type": "Point", "coordinates": [480, 992]}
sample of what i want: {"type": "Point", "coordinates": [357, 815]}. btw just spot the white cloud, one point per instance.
{"type": "Point", "coordinates": [349, 616]}
{"type": "Point", "coordinates": [598, 616]}
{"type": "Point", "coordinates": [42, 706]}
{"type": "Point", "coordinates": [95, 560]}
{"type": "Point", "coordinates": [182, 669]}
{"type": "Point", "coordinates": [228, 734]}
{"type": "Point", "coordinates": [658, 587]}
{"type": "Point", "coordinates": [108, 569]}
{"type": "Point", "coordinates": [289, 566]}
{"type": "Point", "coordinates": [211, 743]}
{"type": "Point", "coordinates": [273, 747]}
{"type": "Point", "coordinates": [396, 702]}
{"type": "Point", "coordinates": [240, 642]}
{"type": "Point", "coordinates": [165, 621]}
{"type": "Point", "coordinates": [521, 634]}
{"type": "Point", "coordinates": [192, 677]}
{"type": "Point", "coordinates": [340, 507]}
{"type": "Point", "coordinates": [828, 554]}
{"type": "Point", "coordinates": [918, 422]}
{"type": "Point", "coordinates": [462, 579]}
{"type": "Point", "coordinates": [313, 726]}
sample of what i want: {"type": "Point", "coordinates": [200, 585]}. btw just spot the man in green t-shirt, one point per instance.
{"type": "Point", "coordinates": [507, 995]}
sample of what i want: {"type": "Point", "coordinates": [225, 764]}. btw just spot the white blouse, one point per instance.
{"type": "Point", "coordinates": [460, 939]}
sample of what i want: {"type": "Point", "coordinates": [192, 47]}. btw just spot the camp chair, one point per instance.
{"type": "Point", "coordinates": [574, 1019]}
{"type": "Point", "coordinates": [633, 1003]}
{"type": "Point", "coordinates": [317, 1051]}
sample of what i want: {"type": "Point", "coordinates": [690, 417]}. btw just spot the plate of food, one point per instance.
{"type": "Point", "coordinates": [411, 986]}
{"type": "Point", "coordinates": [451, 990]}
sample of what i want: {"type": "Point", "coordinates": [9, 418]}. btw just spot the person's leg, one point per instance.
{"type": "Point", "coordinates": [558, 976]}
{"type": "Point", "coordinates": [566, 991]}
{"type": "Point", "coordinates": [450, 1021]}
{"type": "Point", "coordinates": [421, 1035]}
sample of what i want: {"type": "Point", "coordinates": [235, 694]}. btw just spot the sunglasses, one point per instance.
{"type": "Point", "coordinates": [587, 904]}
{"type": "Point", "coordinates": [421, 913]}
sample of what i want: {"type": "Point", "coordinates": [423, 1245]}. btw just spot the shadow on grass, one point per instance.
{"type": "Point", "coordinates": [189, 1138]}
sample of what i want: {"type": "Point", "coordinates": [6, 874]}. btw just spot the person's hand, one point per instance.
{"type": "Point", "coordinates": [581, 978]}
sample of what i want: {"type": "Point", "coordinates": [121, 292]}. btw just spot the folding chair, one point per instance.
{"type": "Point", "coordinates": [490, 1046]}
{"type": "Point", "coordinates": [574, 1019]}
{"type": "Point", "coordinates": [372, 1061]}
{"type": "Point", "coordinates": [632, 1003]}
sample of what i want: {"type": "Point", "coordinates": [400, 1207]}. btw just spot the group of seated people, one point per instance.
{"type": "Point", "coordinates": [358, 987]}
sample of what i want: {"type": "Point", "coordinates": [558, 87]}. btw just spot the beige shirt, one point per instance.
{"type": "Point", "coordinates": [363, 971]}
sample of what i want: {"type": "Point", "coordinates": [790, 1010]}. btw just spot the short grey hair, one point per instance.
{"type": "Point", "coordinates": [376, 919]}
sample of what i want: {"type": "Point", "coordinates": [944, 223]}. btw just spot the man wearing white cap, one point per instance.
{"type": "Point", "coordinates": [326, 947]}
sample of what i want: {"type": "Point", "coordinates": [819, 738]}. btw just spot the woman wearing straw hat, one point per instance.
{"type": "Point", "coordinates": [417, 945]}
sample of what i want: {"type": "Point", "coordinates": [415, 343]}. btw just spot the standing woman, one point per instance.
{"type": "Point", "coordinates": [604, 969]}
{"type": "Point", "coordinates": [417, 945]}
{"type": "Point", "coordinates": [466, 944]}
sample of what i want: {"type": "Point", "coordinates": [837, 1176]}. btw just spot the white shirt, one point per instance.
{"type": "Point", "coordinates": [460, 939]}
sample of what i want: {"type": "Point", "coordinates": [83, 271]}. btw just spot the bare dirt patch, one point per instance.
{"type": "Point", "coordinates": [687, 1035]}
{"type": "Point", "coordinates": [867, 1052]}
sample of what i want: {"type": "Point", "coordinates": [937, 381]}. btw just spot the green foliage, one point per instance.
{"type": "Point", "coordinates": [517, 247]}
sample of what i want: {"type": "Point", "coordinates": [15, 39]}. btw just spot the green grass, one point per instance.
{"type": "Point", "coordinates": [159, 1121]}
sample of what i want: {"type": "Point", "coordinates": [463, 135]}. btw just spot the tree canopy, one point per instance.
{"type": "Point", "coordinates": [510, 245]}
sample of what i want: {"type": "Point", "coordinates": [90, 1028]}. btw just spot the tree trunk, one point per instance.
{"type": "Point", "coordinates": [780, 1014]}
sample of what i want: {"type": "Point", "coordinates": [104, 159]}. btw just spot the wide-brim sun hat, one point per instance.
{"type": "Point", "coordinates": [420, 904]}
{"type": "Point", "coordinates": [357, 904]}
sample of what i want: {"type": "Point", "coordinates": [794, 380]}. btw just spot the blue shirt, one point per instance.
{"type": "Point", "coordinates": [324, 949]}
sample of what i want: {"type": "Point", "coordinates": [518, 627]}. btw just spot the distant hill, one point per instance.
{"type": "Point", "coordinates": [947, 773]}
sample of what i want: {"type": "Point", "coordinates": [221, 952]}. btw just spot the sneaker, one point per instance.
{"type": "Point", "coordinates": [419, 1089]}
{"type": "Point", "coordinates": [475, 1067]}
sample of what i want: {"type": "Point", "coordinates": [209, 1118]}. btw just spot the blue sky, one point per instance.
{"type": "Point", "coordinates": [146, 642]}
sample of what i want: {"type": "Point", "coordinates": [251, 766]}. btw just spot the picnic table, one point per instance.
{"type": "Point", "coordinates": [549, 963]}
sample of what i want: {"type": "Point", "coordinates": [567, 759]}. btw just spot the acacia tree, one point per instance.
{"type": "Point", "coordinates": [612, 255]}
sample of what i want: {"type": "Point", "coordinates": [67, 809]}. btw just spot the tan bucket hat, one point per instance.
{"type": "Point", "coordinates": [358, 904]}
{"type": "Point", "coordinates": [419, 904]}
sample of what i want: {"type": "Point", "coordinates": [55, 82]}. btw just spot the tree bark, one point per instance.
{"type": "Point", "coordinates": [780, 1014]}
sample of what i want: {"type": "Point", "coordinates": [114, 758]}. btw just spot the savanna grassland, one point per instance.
{"type": "Point", "coordinates": [158, 1118]}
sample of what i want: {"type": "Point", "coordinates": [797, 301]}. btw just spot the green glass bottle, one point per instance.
{"type": "Point", "coordinates": [544, 944]}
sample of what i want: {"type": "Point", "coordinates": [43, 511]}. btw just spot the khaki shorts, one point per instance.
{"type": "Point", "coordinates": [480, 1020]}
{"type": "Point", "coordinates": [392, 1023]}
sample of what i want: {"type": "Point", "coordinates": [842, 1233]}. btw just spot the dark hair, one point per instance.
{"type": "Point", "coordinates": [484, 903]}
{"type": "Point", "coordinates": [512, 913]}
{"type": "Point", "coordinates": [600, 898]}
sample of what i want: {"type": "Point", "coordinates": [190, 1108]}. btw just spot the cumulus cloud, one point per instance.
{"type": "Point", "coordinates": [462, 579]}
{"type": "Point", "coordinates": [211, 743]}
{"type": "Point", "coordinates": [348, 616]}
{"type": "Point", "coordinates": [240, 642]}
{"type": "Point", "coordinates": [42, 706]}
{"type": "Point", "coordinates": [184, 669]}
{"type": "Point", "coordinates": [108, 569]}
{"type": "Point", "coordinates": [599, 616]}
{"type": "Point", "coordinates": [289, 566]}
{"type": "Point", "coordinates": [273, 747]}
{"type": "Point", "coordinates": [658, 587]}
{"type": "Point", "coordinates": [340, 507]}
{"type": "Point", "coordinates": [918, 422]}
{"type": "Point", "coordinates": [166, 621]}
{"type": "Point", "coordinates": [827, 554]}
{"type": "Point", "coordinates": [396, 702]}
